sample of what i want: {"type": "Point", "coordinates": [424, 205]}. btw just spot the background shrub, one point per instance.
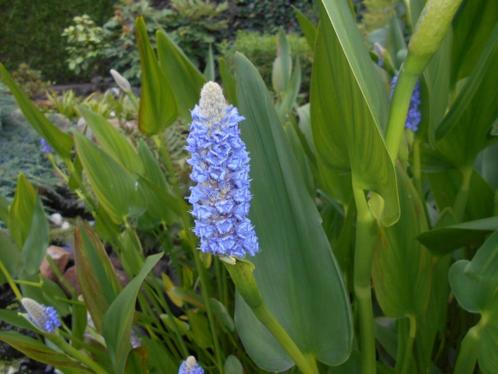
{"type": "Point", "coordinates": [261, 49]}
{"type": "Point", "coordinates": [30, 32]}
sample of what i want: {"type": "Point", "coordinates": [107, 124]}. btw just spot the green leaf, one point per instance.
{"type": "Point", "coordinates": [181, 75]}
{"type": "Point", "coordinates": [472, 26]}
{"type": "Point", "coordinates": [288, 98]}
{"type": "Point", "coordinates": [348, 106]}
{"type": "Point", "coordinates": [112, 141]}
{"type": "Point", "coordinates": [14, 318]}
{"type": "Point", "coordinates": [98, 281]}
{"type": "Point", "coordinates": [209, 70]}
{"type": "Point", "coordinates": [118, 319]}
{"type": "Point", "coordinates": [36, 244]}
{"type": "Point", "coordinates": [475, 286]}
{"type": "Point", "coordinates": [307, 27]}
{"type": "Point", "coordinates": [21, 210]}
{"type": "Point", "coordinates": [233, 365]}
{"type": "Point", "coordinates": [159, 357]}
{"type": "Point", "coordinates": [228, 81]}
{"type": "Point", "coordinates": [292, 241]}
{"type": "Point", "coordinates": [59, 140]}
{"type": "Point", "coordinates": [222, 315]}
{"type": "Point", "coordinates": [282, 66]}
{"type": "Point", "coordinates": [471, 234]}
{"type": "Point", "coordinates": [199, 329]}
{"type": "Point", "coordinates": [476, 104]}
{"type": "Point", "coordinates": [158, 108]}
{"type": "Point", "coordinates": [114, 186]}
{"type": "Point", "coordinates": [402, 268]}
{"type": "Point", "coordinates": [37, 351]}
{"type": "Point", "coordinates": [10, 255]}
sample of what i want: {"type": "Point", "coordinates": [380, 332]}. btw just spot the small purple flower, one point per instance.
{"type": "Point", "coordinates": [190, 366]}
{"type": "Point", "coordinates": [414, 116]}
{"type": "Point", "coordinates": [45, 147]}
{"type": "Point", "coordinates": [220, 170]}
{"type": "Point", "coordinates": [43, 317]}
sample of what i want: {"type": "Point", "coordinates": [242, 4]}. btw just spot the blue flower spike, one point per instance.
{"type": "Point", "coordinates": [221, 194]}
{"type": "Point", "coordinates": [43, 317]}
{"type": "Point", "coordinates": [190, 366]}
{"type": "Point", "coordinates": [414, 116]}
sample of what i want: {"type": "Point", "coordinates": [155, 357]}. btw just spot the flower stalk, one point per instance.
{"type": "Point", "coordinates": [241, 272]}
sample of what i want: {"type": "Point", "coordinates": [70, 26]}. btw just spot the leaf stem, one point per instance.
{"type": "Point", "coordinates": [364, 245]}
{"type": "Point", "coordinates": [73, 352]}
{"type": "Point", "coordinates": [10, 281]}
{"type": "Point", "coordinates": [408, 349]}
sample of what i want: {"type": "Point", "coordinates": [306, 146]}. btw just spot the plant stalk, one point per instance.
{"type": "Point", "coordinates": [76, 354]}
{"type": "Point", "coordinates": [408, 349]}
{"type": "Point", "coordinates": [10, 281]}
{"type": "Point", "coordinates": [242, 275]}
{"type": "Point", "coordinates": [366, 236]}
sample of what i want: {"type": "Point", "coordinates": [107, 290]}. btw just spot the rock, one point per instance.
{"type": "Point", "coordinates": [71, 277]}
{"type": "Point", "coordinates": [61, 258]}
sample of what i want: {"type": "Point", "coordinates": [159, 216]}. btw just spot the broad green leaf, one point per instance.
{"type": "Point", "coordinates": [472, 26]}
{"type": "Point", "coordinates": [349, 106]}
{"type": "Point", "coordinates": [307, 27]}
{"type": "Point", "coordinates": [10, 255]}
{"type": "Point", "coordinates": [21, 210]}
{"type": "Point", "coordinates": [38, 351]}
{"type": "Point", "coordinates": [228, 81]}
{"type": "Point", "coordinates": [118, 319]}
{"type": "Point", "coordinates": [199, 329]}
{"type": "Point", "coordinates": [98, 281]}
{"type": "Point", "coordinates": [114, 186]}
{"type": "Point", "coordinates": [233, 365]}
{"type": "Point", "coordinates": [60, 141]}
{"type": "Point", "coordinates": [112, 141]}
{"type": "Point", "coordinates": [158, 107]}
{"type": "Point", "coordinates": [209, 70]}
{"type": "Point", "coordinates": [282, 66]}
{"type": "Point", "coordinates": [295, 270]}
{"type": "Point", "coordinates": [475, 285]}
{"type": "Point", "coordinates": [476, 104]}
{"type": "Point", "coordinates": [442, 240]}
{"type": "Point", "coordinates": [35, 246]}
{"type": "Point", "coordinates": [402, 268]}
{"type": "Point", "coordinates": [180, 74]}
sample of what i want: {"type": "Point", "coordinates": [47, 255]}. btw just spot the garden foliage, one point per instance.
{"type": "Point", "coordinates": [376, 244]}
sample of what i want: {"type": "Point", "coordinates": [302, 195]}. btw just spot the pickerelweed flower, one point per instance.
{"type": "Point", "coordinates": [414, 116]}
{"type": "Point", "coordinates": [220, 170]}
{"type": "Point", "coordinates": [45, 147]}
{"type": "Point", "coordinates": [190, 366]}
{"type": "Point", "coordinates": [43, 317]}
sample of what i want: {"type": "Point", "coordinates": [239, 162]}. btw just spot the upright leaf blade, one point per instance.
{"type": "Point", "coordinates": [60, 141]}
{"type": "Point", "coordinates": [307, 27]}
{"type": "Point", "coordinates": [112, 141]}
{"type": "Point", "coordinates": [181, 75]}
{"type": "Point", "coordinates": [295, 270]}
{"type": "Point", "coordinates": [118, 320]}
{"type": "Point", "coordinates": [98, 281]}
{"type": "Point", "coordinates": [349, 106]}
{"type": "Point", "coordinates": [21, 210]}
{"type": "Point", "coordinates": [476, 104]}
{"type": "Point", "coordinates": [158, 107]}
